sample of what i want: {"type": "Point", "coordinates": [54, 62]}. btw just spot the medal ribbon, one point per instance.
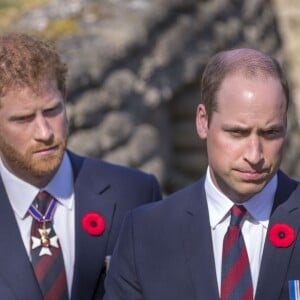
{"type": "Point", "coordinates": [36, 214]}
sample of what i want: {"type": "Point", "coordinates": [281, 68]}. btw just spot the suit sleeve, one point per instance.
{"type": "Point", "coordinates": [122, 281]}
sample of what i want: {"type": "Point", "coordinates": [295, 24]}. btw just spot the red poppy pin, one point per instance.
{"type": "Point", "coordinates": [93, 223]}
{"type": "Point", "coordinates": [282, 235]}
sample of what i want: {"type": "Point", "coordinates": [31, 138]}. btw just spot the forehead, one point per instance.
{"type": "Point", "coordinates": [261, 89]}
{"type": "Point", "coordinates": [256, 97]}
{"type": "Point", "coordinates": [25, 97]}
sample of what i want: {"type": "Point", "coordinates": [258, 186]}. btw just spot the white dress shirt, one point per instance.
{"type": "Point", "coordinates": [21, 194]}
{"type": "Point", "coordinates": [254, 225]}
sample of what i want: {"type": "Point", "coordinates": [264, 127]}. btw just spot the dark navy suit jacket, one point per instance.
{"type": "Point", "coordinates": [165, 250]}
{"type": "Point", "coordinates": [99, 186]}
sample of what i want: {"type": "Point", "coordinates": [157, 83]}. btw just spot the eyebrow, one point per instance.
{"type": "Point", "coordinates": [28, 113]}
{"type": "Point", "coordinates": [242, 128]}
{"type": "Point", "coordinates": [20, 115]}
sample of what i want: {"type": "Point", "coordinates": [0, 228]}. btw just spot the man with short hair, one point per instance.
{"type": "Point", "coordinates": [60, 213]}
{"type": "Point", "coordinates": [233, 234]}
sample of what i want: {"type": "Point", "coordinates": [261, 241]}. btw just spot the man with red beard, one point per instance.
{"type": "Point", "coordinates": [67, 255]}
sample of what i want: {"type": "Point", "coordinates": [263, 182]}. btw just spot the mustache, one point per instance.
{"type": "Point", "coordinates": [44, 146]}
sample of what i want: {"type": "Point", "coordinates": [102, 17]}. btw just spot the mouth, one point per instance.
{"type": "Point", "coordinates": [253, 176]}
{"type": "Point", "coordinates": [47, 151]}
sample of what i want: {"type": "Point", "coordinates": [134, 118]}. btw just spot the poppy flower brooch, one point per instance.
{"type": "Point", "coordinates": [93, 223]}
{"type": "Point", "coordinates": [282, 235]}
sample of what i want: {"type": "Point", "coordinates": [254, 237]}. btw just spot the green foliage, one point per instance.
{"type": "Point", "coordinates": [59, 28]}
{"type": "Point", "coordinates": [9, 3]}
{"type": "Point", "coordinates": [12, 10]}
{"type": "Point", "coordinates": [19, 4]}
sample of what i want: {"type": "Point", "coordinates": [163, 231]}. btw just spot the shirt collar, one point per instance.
{"type": "Point", "coordinates": [21, 193]}
{"type": "Point", "coordinates": [259, 206]}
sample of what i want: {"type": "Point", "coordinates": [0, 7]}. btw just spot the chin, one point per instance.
{"type": "Point", "coordinates": [46, 168]}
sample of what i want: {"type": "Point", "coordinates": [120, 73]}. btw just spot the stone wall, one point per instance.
{"type": "Point", "coordinates": [134, 75]}
{"type": "Point", "coordinates": [287, 14]}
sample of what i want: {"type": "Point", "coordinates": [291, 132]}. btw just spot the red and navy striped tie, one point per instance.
{"type": "Point", "coordinates": [46, 257]}
{"type": "Point", "coordinates": [236, 277]}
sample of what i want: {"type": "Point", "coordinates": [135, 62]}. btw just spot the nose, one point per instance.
{"type": "Point", "coordinates": [43, 130]}
{"type": "Point", "coordinates": [254, 151]}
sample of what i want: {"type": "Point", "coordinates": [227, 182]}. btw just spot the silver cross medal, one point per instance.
{"type": "Point", "coordinates": [44, 241]}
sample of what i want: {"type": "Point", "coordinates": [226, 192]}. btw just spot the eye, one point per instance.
{"type": "Point", "coordinates": [273, 133]}
{"type": "Point", "coordinates": [53, 111]}
{"type": "Point", "coordinates": [23, 119]}
{"type": "Point", "coordinates": [235, 132]}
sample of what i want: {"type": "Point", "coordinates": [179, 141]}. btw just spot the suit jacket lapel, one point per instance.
{"type": "Point", "coordinates": [197, 242]}
{"type": "Point", "coordinates": [285, 211]}
{"type": "Point", "coordinates": [16, 267]}
{"type": "Point", "coordinates": [90, 195]}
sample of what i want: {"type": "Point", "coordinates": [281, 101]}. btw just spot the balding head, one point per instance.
{"type": "Point", "coordinates": [247, 62]}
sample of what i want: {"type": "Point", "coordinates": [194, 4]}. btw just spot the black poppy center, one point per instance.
{"type": "Point", "coordinates": [281, 235]}
{"type": "Point", "coordinates": [93, 223]}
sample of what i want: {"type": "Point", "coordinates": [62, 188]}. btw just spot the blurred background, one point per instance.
{"type": "Point", "coordinates": [135, 67]}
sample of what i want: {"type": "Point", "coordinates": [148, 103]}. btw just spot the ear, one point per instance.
{"type": "Point", "coordinates": [201, 121]}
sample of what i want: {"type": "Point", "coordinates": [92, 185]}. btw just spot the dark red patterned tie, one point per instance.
{"type": "Point", "coordinates": [236, 277]}
{"type": "Point", "coordinates": [46, 254]}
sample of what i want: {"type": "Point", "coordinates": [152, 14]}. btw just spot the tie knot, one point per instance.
{"type": "Point", "coordinates": [237, 214]}
{"type": "Point", "coordinates": [42, 200]}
